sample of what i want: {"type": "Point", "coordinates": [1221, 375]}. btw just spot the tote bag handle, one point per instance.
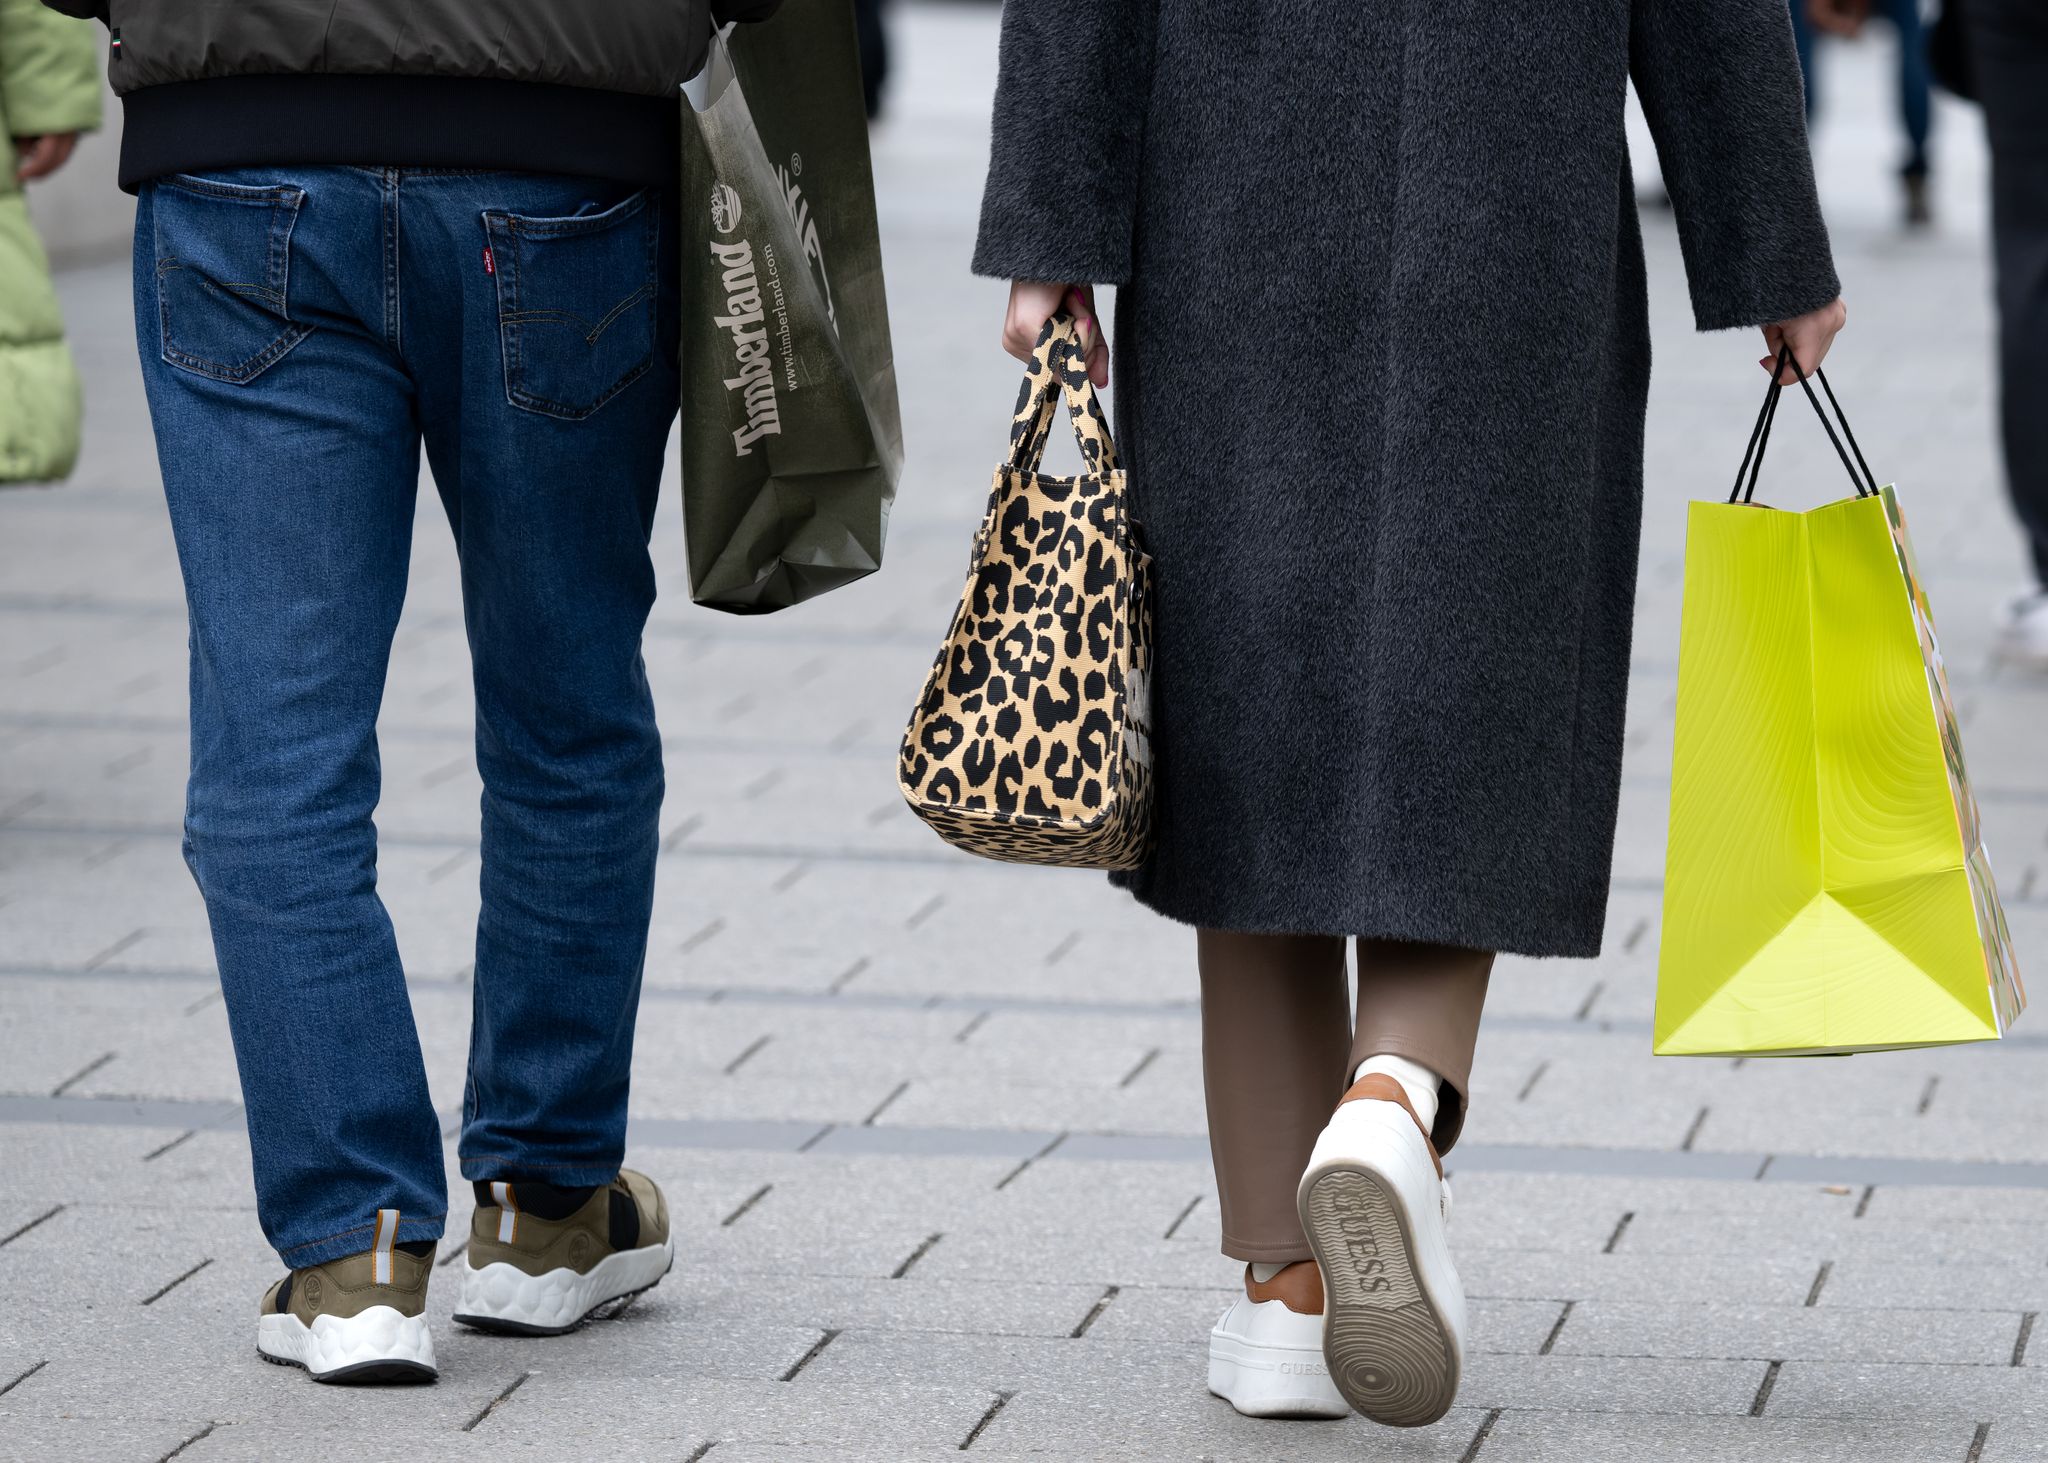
{"type": "Point", "coordinates": [1760, 435]}
{"type": "Point", "coordinates": [1059, 368]}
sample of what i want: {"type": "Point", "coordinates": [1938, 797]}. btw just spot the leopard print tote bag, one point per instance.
{"type": "Point", "coordinates": [1029, 743]}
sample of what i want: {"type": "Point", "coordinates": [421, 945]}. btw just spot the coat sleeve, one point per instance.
{"type": "Point", "coordinates": [1719, 82]}
{"type": "Point", "coordinates": [1061, 197]}
{"type": "Point", "coordinates": [83, 9]}
{"type": "Point", "coordinates": [49, 71]}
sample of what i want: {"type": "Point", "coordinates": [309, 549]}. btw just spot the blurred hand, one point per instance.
{"type": "Point", "coordinates": [38, 157]}
{"type": "Point", "coordinates": [1809, 335]}
{"type": "Point", "coordinates": [1838, 17]}
{"type": "Point", "coordinates": [1032, 303]}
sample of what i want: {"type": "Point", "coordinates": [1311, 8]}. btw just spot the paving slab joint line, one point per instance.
{"type": "Point", "coordinates": [493, 1405]}
{"type": "Point", "coordinates": [753, 1049]}
{"type": "Point", "coordinates": [1927, 1096]}
{"type": "Point", "coordinates": [697, 1454]}
{"type": "Point", "coordinates": [1821, 1278]}
{"type": "Point", "coordinates": [1863, 1204]}
{"type": "Point", "coordinates": [155, 1153]}
{"type": "Point", "coordinates": [24, 1376]}
{"type": "Point", "coordinates": [1479, 1438]}
{"type": "Point", "coordinates": [81, 1074]}
{"type": "Point", "coordinates": [1018, 1172]}
{"type": "Point", "coordinates": [1109, 1294]}
{"type": "Point", "coordinates": [1557, 1330]}
{"type": "Point", "coordinates": [2019, 1347]}
{"type": "Point", "coordinates": [454, 1253]}
{"type": "Point", "coordinates": [812, 1355]}
{"type": "Point", "coordinates": [159, 1295]}
{"type": "Point", "coordinates": [1181, 1218]}
{"type": "Point", "coordinates": [748, 1203]}
{"type": "Point", "coordinates": [884, 1105]}
{"type": "Point", "coordinates": [1151, 1056]}
{"type": "Point", "coordinates": [200, 1436]}
{"type": "Point", "coordinates": [1620, 1229]}
{"type": "Point", "coordinates": [1977, 1442]}
{"type": "Point", "coordinates": [915, 1255]}
{"type": "Point", "coordinates": [1002, 1401]}
{"type": "Point", "coordinates": [709, 932]}
{"type": "Point", "coordinates": [1763, 1392]}
{"type": "Point", "coordinates": [43, 1218]}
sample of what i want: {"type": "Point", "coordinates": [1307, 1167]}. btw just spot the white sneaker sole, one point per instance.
{"type": "Point", "coordinates": [502, 1297]}
{"type": "Point", "coordinates": [379, 1345]}
{"type": "Point", "coordinates": [1261, 1379]}
{"type": "Point", "coordinates": [1394, 1312]}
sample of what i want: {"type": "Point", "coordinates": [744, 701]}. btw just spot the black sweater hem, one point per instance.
{"type": "Point", "coordinates": [399, 121]}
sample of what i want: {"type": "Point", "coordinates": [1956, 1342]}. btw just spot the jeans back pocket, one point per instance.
{"type": "Point", "coordinates": [223, 275]}
{"type": "Point", "coordinates": [576, 305]}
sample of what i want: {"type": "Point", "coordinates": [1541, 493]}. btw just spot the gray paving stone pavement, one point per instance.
{"type": "Point", "coordinates": [931, 1129]}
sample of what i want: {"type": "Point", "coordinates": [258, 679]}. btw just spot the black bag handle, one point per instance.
{"type": "Point", "coordinates": [1760, 435]}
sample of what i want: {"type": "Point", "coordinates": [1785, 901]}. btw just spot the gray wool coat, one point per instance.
{"type": "Point", "coordinates": [1381, 358]}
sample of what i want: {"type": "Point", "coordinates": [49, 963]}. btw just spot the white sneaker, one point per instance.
{"type": "Point", "coordinates": [1266, 1360]}
{"type": "Point", "coordinates": [1375, 1204]}
{"type": "Point", "coordinates": [2023, 630]}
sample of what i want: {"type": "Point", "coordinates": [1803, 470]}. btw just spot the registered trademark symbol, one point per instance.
{"type": "Point", "coordinates": [796, 164]}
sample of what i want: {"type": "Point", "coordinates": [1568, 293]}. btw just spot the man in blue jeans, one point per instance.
{"type": "Point", "coordinates": [363, 229]}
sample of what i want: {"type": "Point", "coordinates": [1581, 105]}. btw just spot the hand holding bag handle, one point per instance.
{"type": "Point", "coordinates": [1760, 434]}
{"type": "Point", "coordinates": [1059, 368]}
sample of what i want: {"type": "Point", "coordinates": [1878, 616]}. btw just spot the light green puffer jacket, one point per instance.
{"type": "Point", "coordinates": [49, 82]}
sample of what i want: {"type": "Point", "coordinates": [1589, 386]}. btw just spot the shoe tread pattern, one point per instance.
{"type": "Point", "coordinates": [1388, 1351]}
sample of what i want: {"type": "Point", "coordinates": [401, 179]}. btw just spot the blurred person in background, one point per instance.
{"type": "Point", "coordinates": [1383, 355]}
{"type": "Point", "coordinates": [363, 233]}
{"type": "Point", "coordinates": [49, 93]}
{"type": "Point", "coordinates": [2007, 58]}
{"type": "Point", "coordinates": [1845, 18]}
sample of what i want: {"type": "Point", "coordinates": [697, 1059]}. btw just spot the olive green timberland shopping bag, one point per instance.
{"type": "Point", "coordinates": [1030, 741]}
{"type": "Point", "coordinates": [791, 437]}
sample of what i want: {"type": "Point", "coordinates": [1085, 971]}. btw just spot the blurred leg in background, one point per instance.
{"type": "Point", "coordinates": [1916, 106]}
{"type": "Point", "coordinates": [873, 32]}
{"type": "Point", "coordinates": [1802, 38]}
{"type": "Point", "coordinates": [1845, 18]}
{"type": "Point", "coordinates": [2009, 59]}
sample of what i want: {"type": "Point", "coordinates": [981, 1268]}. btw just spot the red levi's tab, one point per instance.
{"type": "Point", "coordinates": [490, 264]}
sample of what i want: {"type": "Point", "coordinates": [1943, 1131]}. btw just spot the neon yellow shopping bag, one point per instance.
{"type": "Point", "coordinates": [1826, 887]}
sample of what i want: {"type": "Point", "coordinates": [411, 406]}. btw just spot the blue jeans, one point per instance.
{"type": "Point", "coordinates": [1916, 77]}
{"type": "Point", "coordinates": [303, 332]}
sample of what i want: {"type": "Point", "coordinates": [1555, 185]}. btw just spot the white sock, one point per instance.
{"type": "Point", "coordinates": [1263, 1271]}
{"type": "Point", "coordinates": [1416, 1080]}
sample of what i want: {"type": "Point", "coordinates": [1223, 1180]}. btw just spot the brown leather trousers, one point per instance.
{"type": "Point", "coordinates": [1279, 1046]}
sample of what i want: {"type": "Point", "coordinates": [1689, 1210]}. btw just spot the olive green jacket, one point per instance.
{"type": "Point", "coordinates": [49, 82]}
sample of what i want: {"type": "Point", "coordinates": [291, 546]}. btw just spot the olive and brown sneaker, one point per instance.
{"type": "Point", "coordinates": [542, 1259]}
{"type": "Point", "coordinates": [357, 1319]}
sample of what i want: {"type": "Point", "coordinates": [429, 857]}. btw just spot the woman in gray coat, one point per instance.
{"type": "Point", "coordinates": [1382, 356]}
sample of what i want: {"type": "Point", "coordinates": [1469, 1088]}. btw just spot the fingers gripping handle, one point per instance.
{"type": "Point", "coordinates": [1059, 369]}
